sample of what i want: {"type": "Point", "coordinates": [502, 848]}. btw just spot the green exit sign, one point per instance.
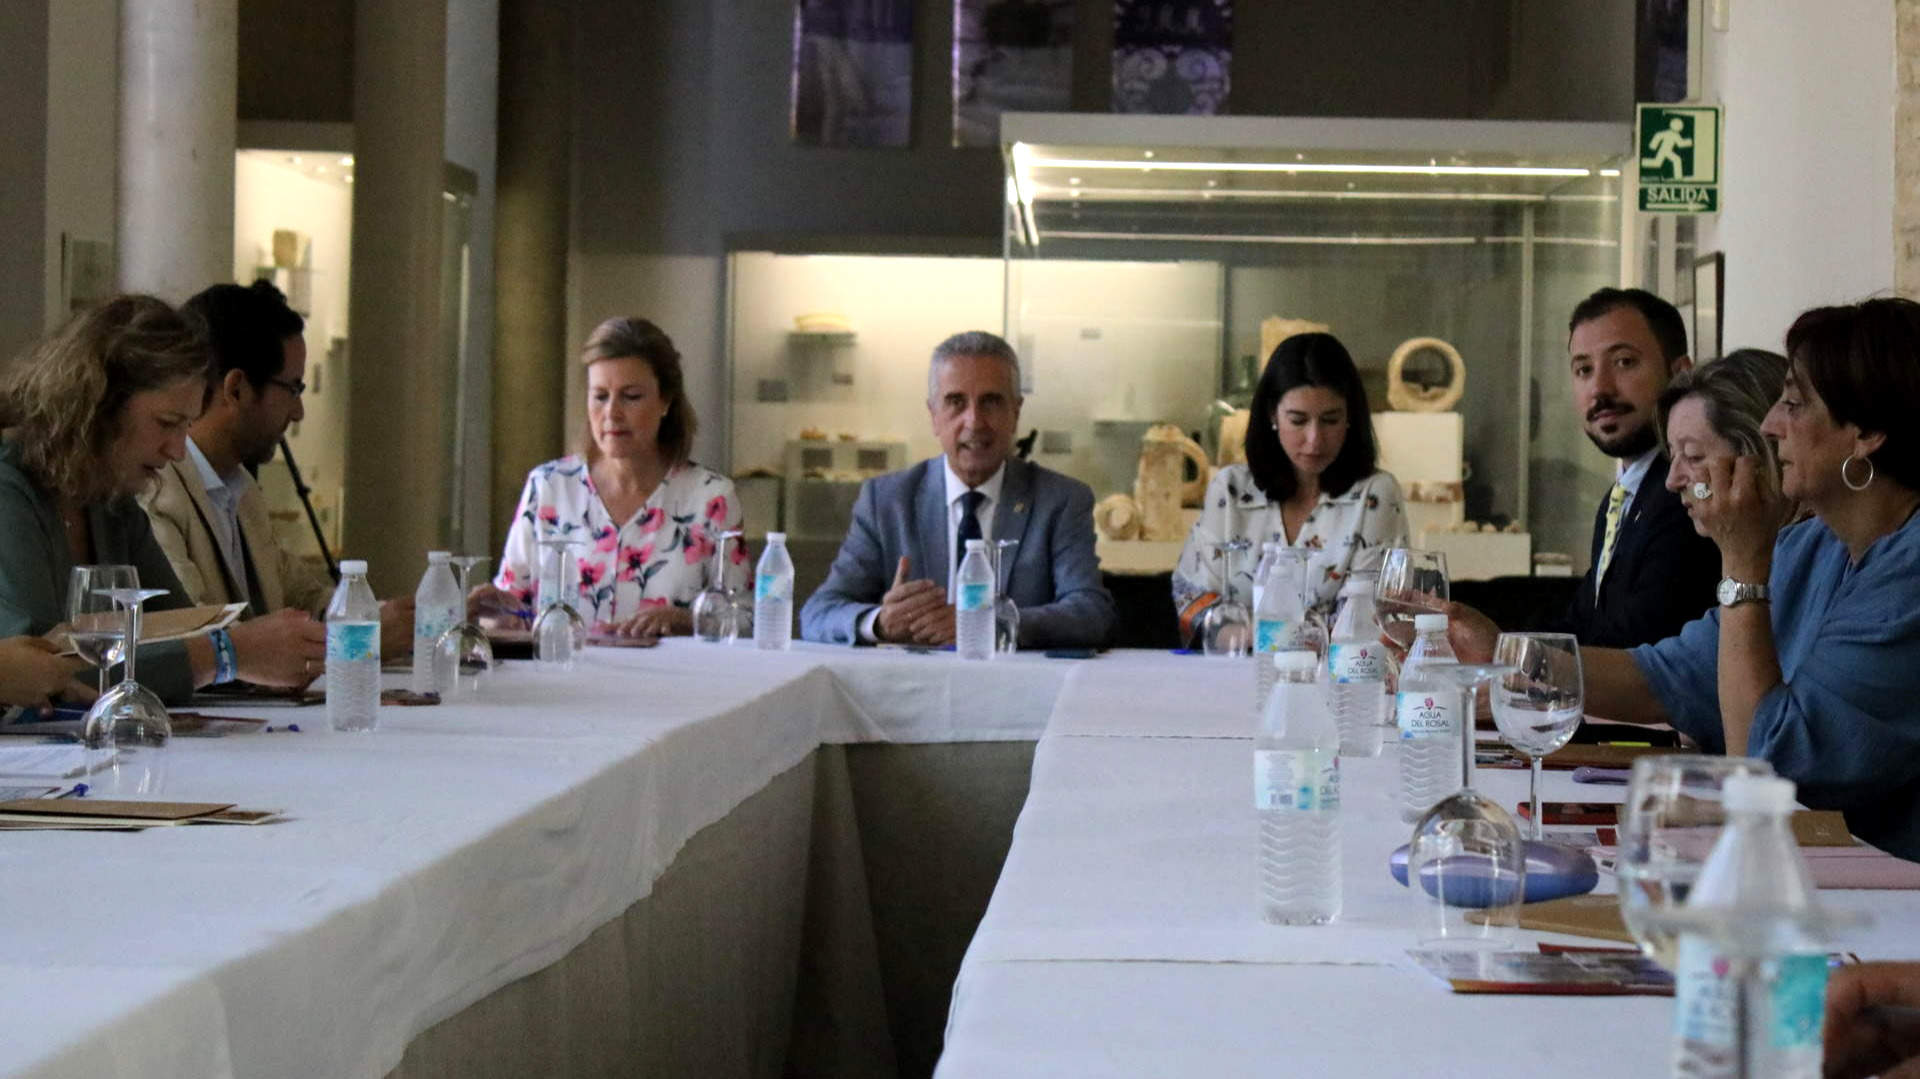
{"type": "Point", "coordinates": [1679, 151]}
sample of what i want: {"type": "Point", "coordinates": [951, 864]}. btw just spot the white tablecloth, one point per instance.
{"type": "Point", "coordinates": [433, 861]}
{"type": "Point", "coordinates": [1124, 936]}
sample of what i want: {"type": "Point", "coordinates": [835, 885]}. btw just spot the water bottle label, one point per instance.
{"type": "Point", "coordinates": [1703, 1000]}
{"type": "Point", "coordinates": [771, 586]}
{"type": "Point", "coordinates": [975, 597]}
{"type": "Point", "coordinates": [1354, 662]}
{"type": "Point", "coordinates": [1799, 1001]}
{"type": "Point", "coordinates": [1423, 715]}
{"type": "Point", "coordinates": [429, 629]}
{"type": "Point", "coordinates": [1307, 780]}
{"type": "Point", "coordinates": [351, 641]}
{"type": "Point", "coordinates": [1271, 635]}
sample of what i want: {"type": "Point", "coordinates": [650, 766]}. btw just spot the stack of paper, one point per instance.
{"type": "Point", "coordinates": [41, 760]}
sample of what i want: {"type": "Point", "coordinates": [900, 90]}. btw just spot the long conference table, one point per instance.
{"type": "Point", "coordinates": [713, 861]}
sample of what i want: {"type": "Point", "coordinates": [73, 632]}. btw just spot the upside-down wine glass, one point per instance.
{"type": "Point", "coordinates": [716, 608]}
{"type": "Point", "coordinates": [98, 628]}
{"type": "Point", "coordinates": [559, 634]}
{"type": "Point", "coordinates": [128, 717]}
{"type": "Point", "coordinates": [1538, 707]}
{"type": "Point", "coordinates": [1466, 854]}
{"type": "Point", "coordinates": [1006, 613]}
{"type": "Point", "coordinates": [1226, 628]}
{"type": "Point", "coordinates": [465, 653]}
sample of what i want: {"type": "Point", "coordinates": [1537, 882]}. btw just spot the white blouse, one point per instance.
{"type": "Point", "coordinates": [1354, 529]}
{"type": "Point", "coordinates": [662, 554]}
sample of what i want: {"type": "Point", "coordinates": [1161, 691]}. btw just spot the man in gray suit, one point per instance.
{"type": "Point", "coordinates": [915, 520]}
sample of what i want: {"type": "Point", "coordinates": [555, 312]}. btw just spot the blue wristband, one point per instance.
{"type": "Point", "coordinates": [226, 663]}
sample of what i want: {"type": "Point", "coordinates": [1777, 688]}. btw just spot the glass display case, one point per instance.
{"type": "Point", "coordinates": [1144, 252]}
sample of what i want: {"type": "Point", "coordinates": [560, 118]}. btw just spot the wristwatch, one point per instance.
{"type": "Point", "coordinates": [1733, 593]}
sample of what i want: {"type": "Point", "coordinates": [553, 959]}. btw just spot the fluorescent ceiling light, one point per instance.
{"type": "Point", "coordinates": [1303, 166]}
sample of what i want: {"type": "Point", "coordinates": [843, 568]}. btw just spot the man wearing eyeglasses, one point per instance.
{"type": "Point", "coordinates": [208, 511]}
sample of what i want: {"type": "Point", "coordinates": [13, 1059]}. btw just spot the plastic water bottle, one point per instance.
{"type": "Point", "coordinates": [1427, 712]}
{"type": "Point", "coordinates": [1296, 789]}
{"type": "Point", "coordinates": [1278, 618]}
{"type": "Point", "coordinates": [353, 651]}
{"type": "Point", "coordinates": [1755, 874]}
{"type": "Point", "coordinates": [437, 606]}
{"type": "Point", "coordinates": [1357, 670]}
{"type": "Point", "coordinates": [773, 596]}
{"type": "Point", "coordinates": [973, 606]}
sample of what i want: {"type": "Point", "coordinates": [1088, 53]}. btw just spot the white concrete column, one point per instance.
{"type": "Point", "coordinates": [178, 102]}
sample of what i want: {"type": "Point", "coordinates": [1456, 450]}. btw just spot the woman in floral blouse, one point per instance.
{"type": "Point", "coordinates": [648, 520]}
{"type": "Point", "coordinates": [1311, 480]}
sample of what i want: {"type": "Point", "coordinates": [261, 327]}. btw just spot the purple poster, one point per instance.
{"type": "Point", "coordinates": [1009, 56]}
{"type": "Point", "coordinates": [1172, 56]}
{"type": "Point", "coordinates": [853, 72]}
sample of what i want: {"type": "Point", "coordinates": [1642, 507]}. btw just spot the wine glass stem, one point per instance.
{"type": "Point", "coordinates": [133, 640]}
{"type": "Point", "coordinates": [719, 564]}
{"type": "Point", "coordinates": [1467, 694]}
{"type": "Point", "coordinates": [1533, 796]}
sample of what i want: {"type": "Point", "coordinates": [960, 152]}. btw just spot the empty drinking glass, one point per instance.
{"type": "Point", "coordinates": [465, 652]}
{"type": "Point", "coordinates": [1006, 613]}
{"type": "Point", "coordinates": [128, 717]}
{"type": "Point", "coordinates": [1226, 628]}
{"type": "Point", "coordinates": [559, 634]}
{"type": "Point", "coordinates": [1538, 707]}
{"type": "Point", "coordinates": [716, 608]}
{"type": "Point", "coordinates": [1411, 583]}
{"type": "Point", "coordinates": [97, 625]}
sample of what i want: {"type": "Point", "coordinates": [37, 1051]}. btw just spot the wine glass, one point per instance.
{"type": "Point", "coordinates": [1539, 706]}
{"type": "Point", "coordinates": [128, 717]}
{"type": "Point", "coordinates": [97, 628]}
{"type": "Point", "coordinates": [1006, 613]}
{"type": "Point", "coordinates": [1412, 582]}
{"type": "Point", "coordinates": [1466, 854]}
{"type": "Point", "coordinates": [714, 609]}
{"type": "Point", "coordinates": [1226, 628]}
{"type": "Point", "coordinates": [1671, 819]}
{"type": "Point", "coordinates": [559, 634]}
{"type": "Point", "coordinates": [464, 651]}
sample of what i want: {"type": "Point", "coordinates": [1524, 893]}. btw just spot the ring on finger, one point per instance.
{"type": "Point", "coordinates": [1702, 491]}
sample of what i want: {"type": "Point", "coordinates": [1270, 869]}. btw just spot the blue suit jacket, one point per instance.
{"type": "Point", "coordinates": [1055, 578]}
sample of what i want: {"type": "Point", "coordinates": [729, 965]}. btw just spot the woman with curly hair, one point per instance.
{"type": "Point", "coordinates": [93, 413]}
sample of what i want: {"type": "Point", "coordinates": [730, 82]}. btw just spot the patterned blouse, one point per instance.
{"type": "Point", "coordinates": [1353, 530]}
{"type": "Point", "coordinates": [662, 554]}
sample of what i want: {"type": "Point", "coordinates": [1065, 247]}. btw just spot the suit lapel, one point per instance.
{"type": "Point", "coordinates": [197, 494]}
{"type": "Point", "coordinates": [930, 518]}
{"type": "Point", "coordinates": [1013, 510]}
{"type": "Point", "coordinates": [256, 536]}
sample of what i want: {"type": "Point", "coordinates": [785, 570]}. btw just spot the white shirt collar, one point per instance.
{"type": "Point", "coordinates": [957, 486]}
{"type": "Point", "coordinates": [208, 477]}
{"type": "Point", "coordinates": [1631, 473]}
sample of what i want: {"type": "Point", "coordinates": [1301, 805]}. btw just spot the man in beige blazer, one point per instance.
{"type": "Point", "coordinates": [208, 513]}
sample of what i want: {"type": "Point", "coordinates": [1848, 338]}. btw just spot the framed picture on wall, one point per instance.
{"type": "Point", "coordinates": [1709, 300]}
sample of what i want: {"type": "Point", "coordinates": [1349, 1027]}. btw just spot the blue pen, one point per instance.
{"type": "Point", "coordinates": [78, 790]}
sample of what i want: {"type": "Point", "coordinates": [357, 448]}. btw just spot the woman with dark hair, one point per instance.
{"type": "Point", "coordinates": [1812, 659]}
{"type": "Point", "coordinates": [647, 518]}
{"type": "Point", "coordinates": [1311, 480]}
{"type": "Point", "coordinates": [95, 412]}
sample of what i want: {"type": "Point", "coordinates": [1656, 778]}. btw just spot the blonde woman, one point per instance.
{"type": "Point", "coordinates": [1713, 413]}
{"type": "Point", "coordinates": [647, 519]}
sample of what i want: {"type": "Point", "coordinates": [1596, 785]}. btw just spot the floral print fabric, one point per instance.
{"type": "Point", "coordinates": [1354, 529]}
{"type": "Point", "coordinates": [662, 555]}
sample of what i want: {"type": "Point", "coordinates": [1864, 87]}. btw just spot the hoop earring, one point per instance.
{"type": "Point", "coordinates": [1863, 484]}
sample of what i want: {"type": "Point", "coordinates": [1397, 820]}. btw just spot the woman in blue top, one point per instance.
{"type": "Point", "coordinates": [1812, 659]}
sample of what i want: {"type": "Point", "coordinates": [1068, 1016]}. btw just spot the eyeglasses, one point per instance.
{"type": "Point", "coordinates": [292, 387]}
